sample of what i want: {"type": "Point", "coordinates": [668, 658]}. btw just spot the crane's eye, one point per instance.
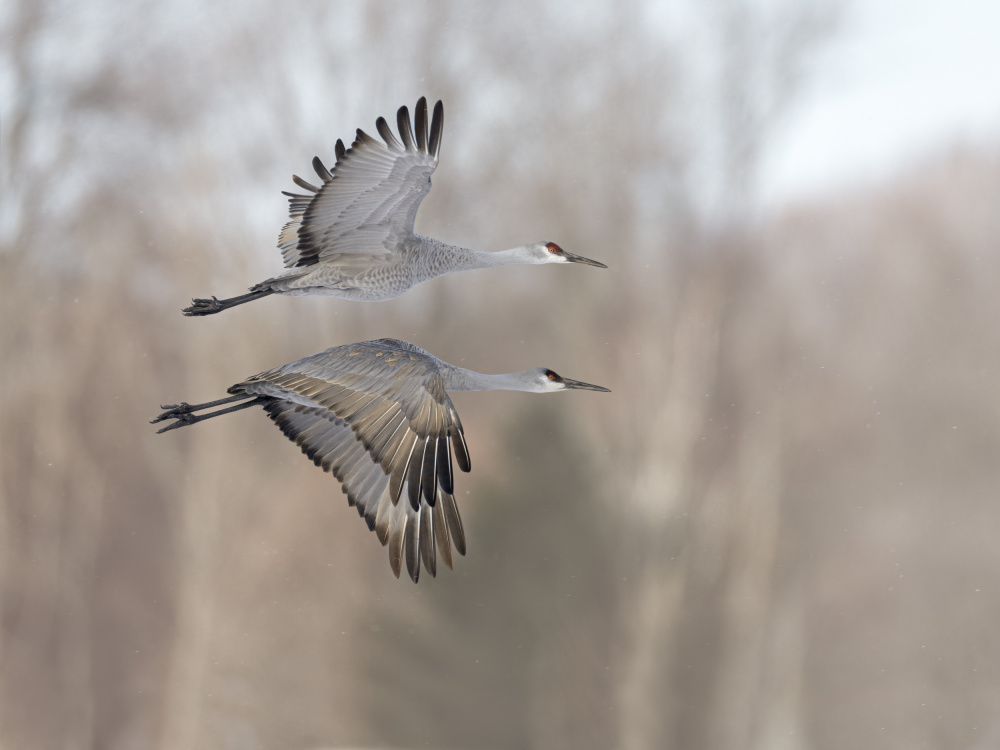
{"type": "Point", "coordinates": [552, 376]}
{"type": "Point", "coordinates": [553, 248]}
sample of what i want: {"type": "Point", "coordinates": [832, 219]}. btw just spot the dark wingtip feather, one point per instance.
{"type": "Point", "coordinates": [427, 551]}
{"type": "Point", "coordinates": [437, 127]}
{"type": "Point", "coordinates": [382, 521]}
{"type": "Point", "coordinates": [461, 451]}
{"type": "Point", "coordinates": [413, 476]}
{"type": "Point", "coordinates": [363, 137]}
{"type": "Point", "coordinates": [396, 545]}
{"type": "Point", "coordinates": [339, 149]}
{"type": "Point", "coordinates": [369, 517]}
{"type": "Point", "coordinates": [386, 133]}
{"type": "Point", "coordinates": [420, 115]}
{"type": "Point", "coordinates": [411, 541]}
{"type": "Point", "coordinates": [442, 540]}
{"type": "Point", "coordinates": [429, 473]}
{"type": "Point", "coordinates": [399, 473]}
{"type": "Point", "coordinates": [405, 132]}
{"type": "Point", "coordinates": [446, 476]}
{"type": "Point", "coordinates": [321, 170]}
{"type": "Point", "coordinates": [303, 184]}
{"type": "Point", "coordinates": [396, 485]}
{"type": "Point", "coordinates": [454, 522]}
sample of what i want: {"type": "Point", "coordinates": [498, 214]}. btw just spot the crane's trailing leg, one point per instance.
{"type": "Point", "coordinates": [184, 413]}
{"type": "Point", "coordinates": [214, 305]}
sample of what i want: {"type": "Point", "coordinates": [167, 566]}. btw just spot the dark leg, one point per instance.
{"type": "Point", "coordinates": [184, 413]}
{"type": "Point", "coordinates": [214, 305]}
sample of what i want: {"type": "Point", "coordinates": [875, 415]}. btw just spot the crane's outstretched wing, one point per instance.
{"type": "Point", "coordinates": [378, 418]}
{"type": "Point", "coordinates": [369, 201]}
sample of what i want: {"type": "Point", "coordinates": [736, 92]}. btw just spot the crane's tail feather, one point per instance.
{"type": "Point", "coordinates": [214, 305]}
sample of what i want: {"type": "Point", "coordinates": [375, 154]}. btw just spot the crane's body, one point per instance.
{"type": "Point", "coordinates": [352, 236]}
{"type": "Point", "coordinates": [417, 259]}
{"type": "Point", "coordinates": [378, 417]}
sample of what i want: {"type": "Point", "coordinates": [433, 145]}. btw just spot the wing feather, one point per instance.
{"type": "Point", "coordinates": [387, 136]}
{"type": "Point", "coordinates": [415, 472]}
{"type": "Point", "coordinates": [420, 123]}
{"type": "Point", "coordinates": [411, 543]}
{"type": "Point", "coordinates": [428, 555]}
{"type": "Point", "coordinates": [321, 169]}
{"type": "Point", "coordinates": [403, 123]}
{"type": "Point", "coordinates": [437, 127]}
{"type": "Point", "coordinates": [446, 478]}
{"type": "Point", "coordinates": [368, 202]}
{"type": "Point", "coordinates": [377, 416]}
{"type": "Point", "coordinates": [454, 523]}
{"type": "Point", "coordinates": [442, 540]}
{"type": "Point", "coordinates": [383, 517]}
{"type": "Point", "coordinates": [399, 475]}
{"type": "Point", "coordinates": [396, 529]}
{"type": "Point", "coordinates": [429, 472]}
{"type": "Point", "coordinates": [304, 185]}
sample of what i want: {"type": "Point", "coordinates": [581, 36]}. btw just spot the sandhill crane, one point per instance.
{"type": "Point", "coordinates": [353, 238]}
{"type": "Point", "coordinates": [378, 417]}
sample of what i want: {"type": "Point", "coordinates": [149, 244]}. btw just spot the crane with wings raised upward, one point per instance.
{"type": "Point", "coordinates": [352, 236]}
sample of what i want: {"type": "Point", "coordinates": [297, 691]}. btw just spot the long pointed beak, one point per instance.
{"type": "Point", "coordinates": [580, 259]}
{"type": "Point", "coordinates": [584, 386]}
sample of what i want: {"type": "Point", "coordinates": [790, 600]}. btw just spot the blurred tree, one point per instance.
{"type": "Point", "coordinates": [708, 557]}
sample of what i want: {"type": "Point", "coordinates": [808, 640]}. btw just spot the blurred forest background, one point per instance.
{"type": "Point", "coordinates": [779, 530]}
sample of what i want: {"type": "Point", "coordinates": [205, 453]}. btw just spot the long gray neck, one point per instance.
{"type": "Point", "coordinates": [437, 258]}
{"type": "Point", "coordinates": [460, 379]}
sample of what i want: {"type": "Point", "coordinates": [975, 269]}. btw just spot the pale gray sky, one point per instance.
{"type": "Point", "coordinates": [900, 79]}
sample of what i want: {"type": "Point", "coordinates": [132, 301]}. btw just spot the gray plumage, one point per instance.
{"type": "Point", "coordinates": [352, 236]}
{"type": "Point", "coordinates": [378, 417]}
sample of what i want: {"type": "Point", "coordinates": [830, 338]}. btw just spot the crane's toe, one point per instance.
{"type": "Point", "coordinates": [204, 306]}
{"type": "Point", "coordinates": [181, 411]}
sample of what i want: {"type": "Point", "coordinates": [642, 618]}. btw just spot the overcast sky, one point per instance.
{"type": "Point", "coordinates": [900, 79]}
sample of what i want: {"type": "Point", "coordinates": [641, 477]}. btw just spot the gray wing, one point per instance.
{"type": "Point", "coordinates": [369, 201]}
{"type": "Point", "coordinates": [379, 419]}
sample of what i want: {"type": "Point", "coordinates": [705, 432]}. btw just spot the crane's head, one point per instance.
{"type": "Point", "coordinates": [550, 252]}
{"type": "Point", "coordinates": [544, 380]}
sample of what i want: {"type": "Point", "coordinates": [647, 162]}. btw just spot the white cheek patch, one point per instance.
{"type": "Point", "coordinates": [553, 257]}
{"type": "Point", "coordinates": [552, 385]}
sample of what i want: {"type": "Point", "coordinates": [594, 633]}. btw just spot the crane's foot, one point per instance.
{"type": "Point", "coordinates": [204, 306]}
{"type": "Point", "coordinates": [214, 305]}
{"type": "Point", "coordinates": [182, 412]}
{"type": "Point", "coordinates": [174, 410]}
